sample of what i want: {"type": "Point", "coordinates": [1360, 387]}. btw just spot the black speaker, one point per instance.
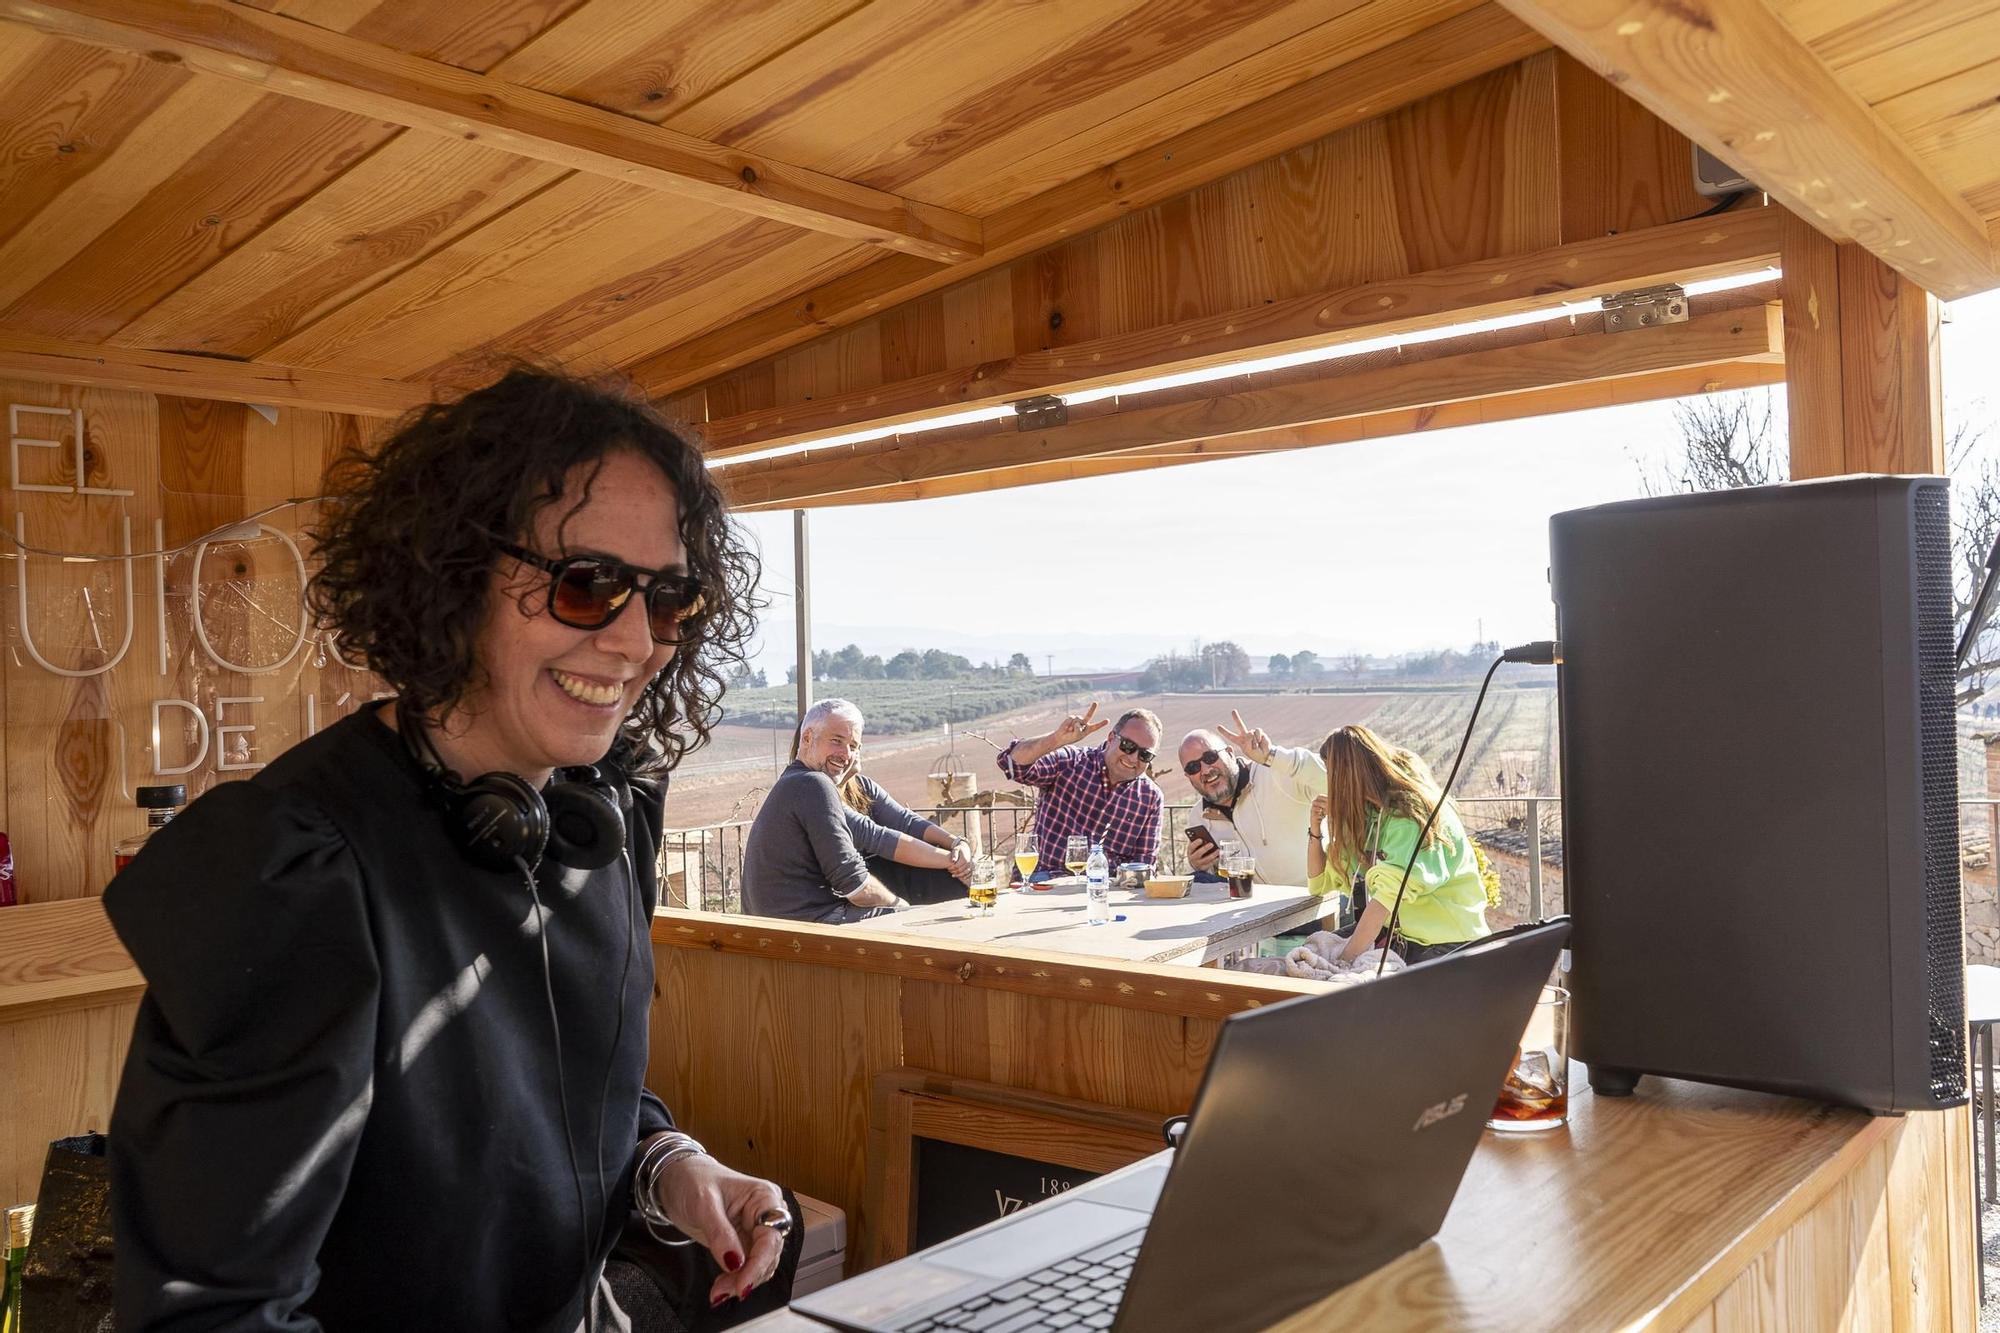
{"type": "Point", "coordinates": [1760, 790]}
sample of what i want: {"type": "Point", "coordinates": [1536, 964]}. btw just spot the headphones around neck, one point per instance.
{"type": "Point", "coordinates": [499, 818]}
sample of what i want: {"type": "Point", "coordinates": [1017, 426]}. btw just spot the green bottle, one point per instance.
{"type": "Point", "coordinates": [20, 1227]}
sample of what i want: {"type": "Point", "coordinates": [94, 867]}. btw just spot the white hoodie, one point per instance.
{"type": "Point", "coordinates": [1272, 814]}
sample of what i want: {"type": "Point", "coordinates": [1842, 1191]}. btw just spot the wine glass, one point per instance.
{"type": "Point", "coordinates": [1027, 855]}
{"type": "Point", "coordinates": [1077, 854]}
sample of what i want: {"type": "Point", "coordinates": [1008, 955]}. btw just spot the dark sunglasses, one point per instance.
{"type": "Point", "coordinates": [1133, 747]}
{"type": "Point", "coordinates": [588, 592]}
{"type": "Point", "coordinates": [1194, 766]}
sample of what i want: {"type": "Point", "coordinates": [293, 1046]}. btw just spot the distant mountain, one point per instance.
{"type": "Point", "coordinates": [1072, 652]}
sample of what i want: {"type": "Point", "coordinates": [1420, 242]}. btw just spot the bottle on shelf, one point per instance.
{"type": "Point", "coordinates": [1097, 881]}
{"type": "Point", "coordinates": [160, 805]}
{"type": "Point", "coordinates": [20, 1229]}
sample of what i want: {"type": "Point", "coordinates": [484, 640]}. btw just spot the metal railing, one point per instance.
{"type": "Point", "coordinates": [701, 868]}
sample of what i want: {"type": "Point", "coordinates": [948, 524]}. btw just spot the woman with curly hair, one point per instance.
{"type": "Point", "coordinates": [388, 1072]}
{"type": "Point", "coordinates": [1378, 797]}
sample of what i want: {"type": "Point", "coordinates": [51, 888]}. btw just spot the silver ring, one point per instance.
{"type": "Point", "coordinates": [778, 1219]}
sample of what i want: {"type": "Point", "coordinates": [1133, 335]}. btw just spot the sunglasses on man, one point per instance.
{"type": "Point", "coordinates": [1127, 746]}
{"type": "Point", "coordinates": [588, 592]}
{"type": "Point", "coordinates": [1194, 766]}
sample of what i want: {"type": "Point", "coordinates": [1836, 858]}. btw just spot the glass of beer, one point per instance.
{"type": "Point", "coordinates": [1535, 1095]}
{"type": "Point", "coordinates": [1027, 855]}
{"type": "Point", "coordinates": [1241, 872]}
{"type": "Point", "coordinates": [1077, 854]}
{"type": "Point", "coordinates": [983, 889]}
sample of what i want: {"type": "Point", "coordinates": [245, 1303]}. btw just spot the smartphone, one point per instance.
{"type": "Point", "coordinates": [1199, 836]}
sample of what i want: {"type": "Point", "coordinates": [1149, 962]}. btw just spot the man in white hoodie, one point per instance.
{"type": "Point", "coordinates": [1255, 793]}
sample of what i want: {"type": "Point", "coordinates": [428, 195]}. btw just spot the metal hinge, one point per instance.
{"type": "Point", "coordinates": [1645, 307]}
{"type": "Point", "coordinates": [1040, 412]}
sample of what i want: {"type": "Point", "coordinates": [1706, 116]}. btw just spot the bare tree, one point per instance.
{"type": "Point", "coordinates": [1738, 439]}
{"type": "Point", "coordinates": [1975, 521]}
{"type": "Point", "coordinates": [1730, 440]}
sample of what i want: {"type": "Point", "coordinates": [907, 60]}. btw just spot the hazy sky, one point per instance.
{"type": "Point", "coordinates": [1385, 545]}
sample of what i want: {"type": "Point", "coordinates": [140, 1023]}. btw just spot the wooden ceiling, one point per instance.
{"type": "Point", "coordinates": [344, 203]}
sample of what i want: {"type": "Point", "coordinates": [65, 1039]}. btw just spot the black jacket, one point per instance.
{"type": "Point", "coordinates": [340, 1107]}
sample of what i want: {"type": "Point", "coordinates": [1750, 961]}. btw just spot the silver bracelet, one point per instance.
{"type": "Point", "coordinates": [646, 1182]}
{"type": "Point", "coordinates": [663, 1151]}
{"type": "Point", "coordinates": [664, 1141]}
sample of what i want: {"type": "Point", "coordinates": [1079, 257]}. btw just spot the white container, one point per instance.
{"type": "Point", "coordinates": [824, 1258]}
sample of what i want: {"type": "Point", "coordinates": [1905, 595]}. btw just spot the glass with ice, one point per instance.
{"type": "Point", "coordinates": [1535, 1095]}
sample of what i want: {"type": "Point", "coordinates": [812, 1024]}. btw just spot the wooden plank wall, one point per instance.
{"type": "Point", "coordinates": [1890, 1246]}
{"type": "Point", "coordinates": [76, 746]}
{"type": "Point", "coordinates": [1537, 154]}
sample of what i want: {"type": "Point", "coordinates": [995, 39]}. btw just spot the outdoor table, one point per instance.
{"type": "Point", "coordinates": [1203, 927]}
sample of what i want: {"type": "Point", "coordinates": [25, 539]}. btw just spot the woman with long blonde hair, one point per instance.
{"type": "Point", "coordinates": [1379, 797]}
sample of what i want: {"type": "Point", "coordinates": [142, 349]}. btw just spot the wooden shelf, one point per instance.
{"type": "Point", "coordinates": [61, 955]}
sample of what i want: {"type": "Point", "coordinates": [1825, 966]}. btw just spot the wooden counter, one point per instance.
{"type": "Point", "coordinates": [1682, 1207]}
{"type": "Point", "coordinates": [1694, 1207]}
{"type": "Point", "coordinates": [1685, 1207]}
{"type": "Point", "coordinates": [68, 994]}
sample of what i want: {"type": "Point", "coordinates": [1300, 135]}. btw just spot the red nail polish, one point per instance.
{"type": "Point", "coordinates": [732, 1261]}
{"type": "Point", "coordinates": [716, 1301]}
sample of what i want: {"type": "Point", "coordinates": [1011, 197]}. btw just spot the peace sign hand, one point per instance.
{"type": "Point", "coordinates": [1076, 726]}
{"type": "Point", "coordinates": [1252, 741]}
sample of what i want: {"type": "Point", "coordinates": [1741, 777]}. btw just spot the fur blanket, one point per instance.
{"type": "Point", "coordinates": [1318, 959]}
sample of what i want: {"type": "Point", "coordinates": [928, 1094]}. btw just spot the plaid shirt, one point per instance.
{"type": "Point", "coordinates": [1077, 799]}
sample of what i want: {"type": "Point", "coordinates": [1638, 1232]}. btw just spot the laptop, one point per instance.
{"type": "Point", "coordinates": [1329, 1135]}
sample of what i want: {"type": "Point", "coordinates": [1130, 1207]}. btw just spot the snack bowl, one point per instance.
{"type": "Point", "coordinates": [1168, 886]}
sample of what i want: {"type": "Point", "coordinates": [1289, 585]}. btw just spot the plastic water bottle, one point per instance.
{"type": "Point", "coordinates": [1097, 878]}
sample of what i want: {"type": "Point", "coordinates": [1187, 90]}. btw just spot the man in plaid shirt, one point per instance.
{"type": "Point", "coordinates": [1105, 792]}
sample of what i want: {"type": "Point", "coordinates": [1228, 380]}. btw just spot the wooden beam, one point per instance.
{"type": "Point", "coordinates": [1682, 252]}
{"type": "Point", "coordinates": [296, 59]}
{"type": "Point", "coordinates": [1402, 72]}
{"type": "Point", "coordinates": [1889, 370]}
{"type": "Point", "coordinates": [1809, 290]}
{"type": "Point", "coordinates": [30, 356]}
{"type": "Point", "coordinates": [1734, 79]}
{"type": "Point", "coordinates": [1862, 380]}
{"type": "Point", "coordinates": [1744, 334]}
{"type": "Point", "coordinates": [1658, 385]}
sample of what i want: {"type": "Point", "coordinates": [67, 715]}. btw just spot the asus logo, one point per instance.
{"type": "Point", "coordinates": [1442, 1111]}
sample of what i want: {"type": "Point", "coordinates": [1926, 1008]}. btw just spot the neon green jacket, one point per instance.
{"type": "Point", "coordinates": [1446, 900]}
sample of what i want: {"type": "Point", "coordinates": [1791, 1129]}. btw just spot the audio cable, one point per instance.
{"type": "Point", "coordinates": [1542, 652]}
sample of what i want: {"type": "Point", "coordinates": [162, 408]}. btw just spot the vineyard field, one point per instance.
{"type": "Point", "coordinates": [894, 707]}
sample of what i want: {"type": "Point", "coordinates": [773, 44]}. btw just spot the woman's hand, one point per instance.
{"type": "Point", "coordinates": [718, 1207]}
{"type": "Point", "coordinates": [1318, 816]}
{"type": "Point", "coordinates": [961, 861]}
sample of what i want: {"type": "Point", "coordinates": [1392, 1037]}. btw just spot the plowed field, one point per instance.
{"type": "Point", "coordinates": [727, 780]}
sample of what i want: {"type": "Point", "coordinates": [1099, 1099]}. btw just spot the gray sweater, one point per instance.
{"type": "Point", "coordinates": [801, 861]}
{"type": "Point", "coordinates": [875, 833]}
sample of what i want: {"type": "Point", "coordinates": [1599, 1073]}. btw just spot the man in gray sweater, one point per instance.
{"type": "Point", "coordinates": [813, 856]}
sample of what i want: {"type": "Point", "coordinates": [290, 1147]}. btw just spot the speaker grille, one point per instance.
{"type": "Point", "coordinates": [1944, 929]}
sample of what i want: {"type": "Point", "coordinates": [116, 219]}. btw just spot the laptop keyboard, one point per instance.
{"type": "Point", "coordinates": [1074, 1295]}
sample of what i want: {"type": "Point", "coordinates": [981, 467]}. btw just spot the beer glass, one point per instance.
{"type": "Point", "coordinates": [983, 889]}
{"type": "Point", "coordinates": [1241, 872]}
{"type": "Point", "coordinates": [1076, 855]}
